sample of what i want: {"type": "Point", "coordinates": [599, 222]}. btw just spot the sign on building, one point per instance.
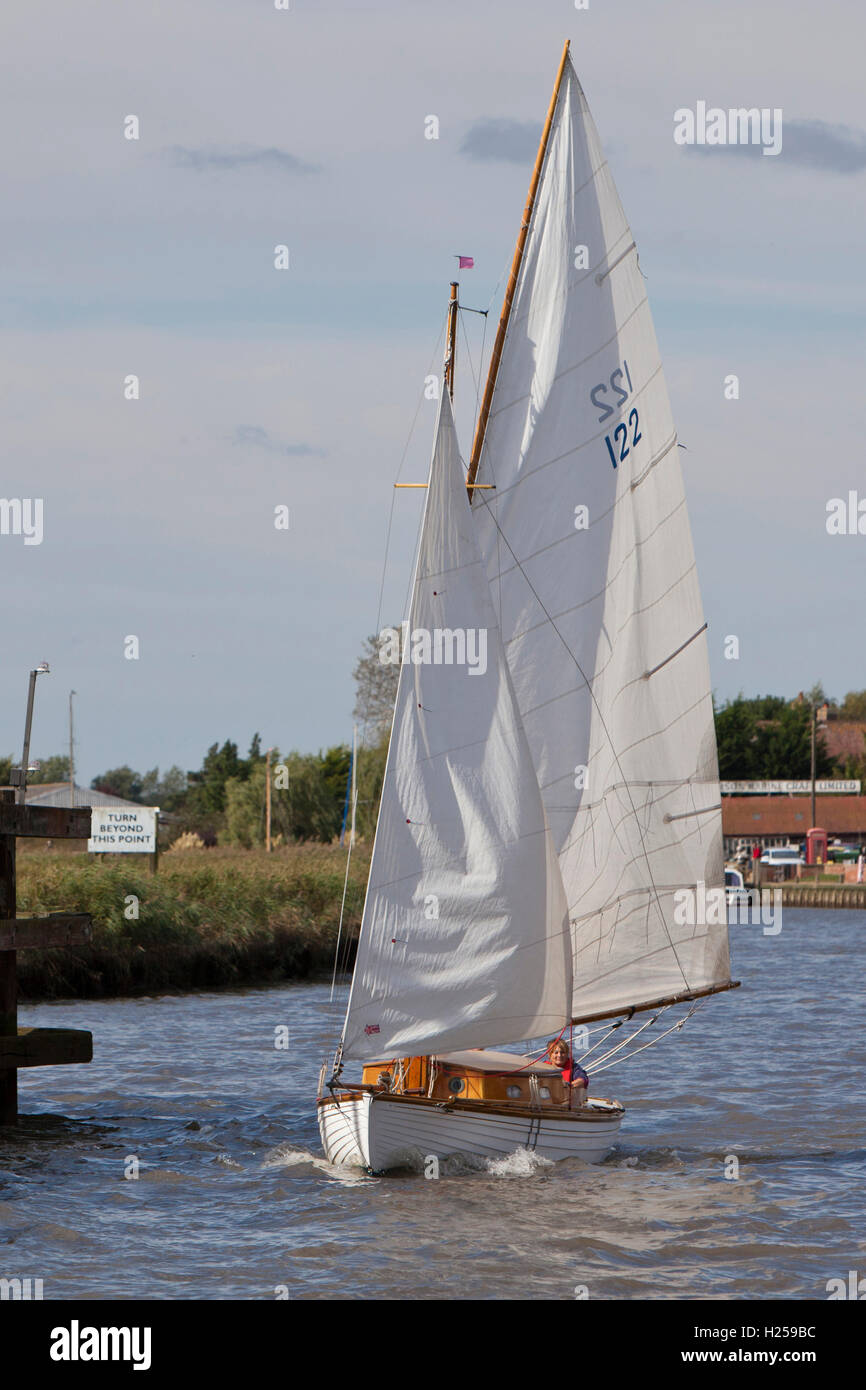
{"type": "Point", "coordinates": [791, 788]}
{"type": "Point", "coordinates": [123, 830]}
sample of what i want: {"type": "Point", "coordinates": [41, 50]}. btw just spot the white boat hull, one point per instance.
{"type": "Point", "coordinates": [378, 1131]}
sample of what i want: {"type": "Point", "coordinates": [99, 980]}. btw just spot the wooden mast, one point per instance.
{"type": "Point", "coordinates": [451, 350]}
{"type": "Point", "coordinates": [512, 279]}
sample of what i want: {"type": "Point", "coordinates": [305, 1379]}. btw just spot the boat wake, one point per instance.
{"type": "Point", "coordinates": [301, 1160]}
{"type": "Point", "coordinates": [523, 1163]}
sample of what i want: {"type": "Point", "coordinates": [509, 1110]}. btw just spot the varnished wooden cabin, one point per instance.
{"type": "Point", "coordinates": [500, 1077]}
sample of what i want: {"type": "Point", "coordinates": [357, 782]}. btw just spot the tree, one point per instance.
{"type": "Point", "coordinates": [816, 696]}
{"type": "Point", "coordinates": [375, 691]}
{"type": "Point", "coordinates": [336, 765]}
{"type": "Point", "coordinates": [167, 792]}
{"type": "Point", "coordinates": [767, 738]}
{"type": "Point", "coordinates": [308, 808]}
{"type": "Point", "coordinates": [370, 777]}
{"type": "Point", "coordinates": [120, 781]}
{"type": "Point", "coordinates": [854, 706]}
{"type": "Point", "coordinates": [245, 810]}
{"type": "Point", "coordinates": [53, 769]}
{"type": "Point", "coordinates": [207, 795]}
{"type": "Point", "coordinates": [313, 809]}
{"type": "Point", "coordinates": [736, 738]}
{"type": "Point", "coordinates": [785, 746]}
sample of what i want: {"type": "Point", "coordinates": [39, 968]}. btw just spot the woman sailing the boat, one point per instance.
{"type": "Point", "coordinates": [573, 1074]}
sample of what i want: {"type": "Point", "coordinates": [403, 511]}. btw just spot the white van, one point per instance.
{"type": "Point", "coordinates": [782, 854]}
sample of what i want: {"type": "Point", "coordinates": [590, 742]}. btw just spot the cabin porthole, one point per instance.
{"type": "Point", "coordinates": [456, 1085]}
{"type": "Point", "coordinates": [544, 1092]}
{"type": "Point", "coordinates": [513, 1092]}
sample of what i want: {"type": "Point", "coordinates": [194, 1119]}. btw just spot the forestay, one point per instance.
{"type": "Point", "coordinates": [593, 577]}
{"type": "Point", "coordinates": [465, 938]}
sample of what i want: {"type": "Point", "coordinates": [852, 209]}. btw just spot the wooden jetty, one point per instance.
{"type": "Point", "coordinates": [34, 1047]}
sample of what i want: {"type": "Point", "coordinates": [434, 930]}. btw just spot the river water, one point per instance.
{"type": "Point", "coordinates": [234, 1200]}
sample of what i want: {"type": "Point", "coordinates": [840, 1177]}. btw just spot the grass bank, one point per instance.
{"type": "Point", "coordinates": [209, 918]}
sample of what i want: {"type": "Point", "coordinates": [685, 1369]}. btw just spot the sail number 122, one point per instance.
{"type": "Point", "coordinates": [621, 445]}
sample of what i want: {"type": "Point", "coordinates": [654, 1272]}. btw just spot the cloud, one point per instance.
{"type": "Point", "coordinates": [244, 157]}
{"type": "Point", "coordinates": [823, 146]}
{"type": "Point", "coordinates": [259, 437]}
{"type": "Point", "coordinates": [838, 149]}
{"type": "Point", "coordinates": [514, 141]}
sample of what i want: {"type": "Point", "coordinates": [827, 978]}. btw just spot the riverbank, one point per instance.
{"type": "Point", "coordinates": [208, 918]}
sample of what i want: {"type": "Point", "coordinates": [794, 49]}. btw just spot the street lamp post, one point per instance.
{"type": "Point", "coordinates": [814, 731]}
{"type": "Point", "coordinates": [19, 774]}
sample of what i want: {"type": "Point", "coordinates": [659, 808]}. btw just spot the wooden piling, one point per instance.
{"type": "Point", "coordinates": [33, 1047]}
{"type": "Point", "coordinates": [8, 970]}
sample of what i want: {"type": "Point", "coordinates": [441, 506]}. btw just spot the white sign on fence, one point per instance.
{"type": "Point", "coordinates": [123, 830]}
{"type": "Point", "coordinates": [851, 788]}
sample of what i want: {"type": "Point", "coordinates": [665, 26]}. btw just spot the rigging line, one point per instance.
{"type": "Point", "coordinates": [342, 908]}
{"type": "Point", "coordinates": [607, 1032]}
{"type": "Point", "coordinates": [625, 1042]}
{"type": "Point", "coordinates": [475, 379]}
{"type": "Point", "coordinates": [485, 502]}
{"type": "Point", "coordinates": [673, 1029]}
{"type": "Point", "coordinates": [480, 369]}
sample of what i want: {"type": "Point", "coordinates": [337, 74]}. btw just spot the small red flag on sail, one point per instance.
{"type": "Point", "coordinates": [466, 262]}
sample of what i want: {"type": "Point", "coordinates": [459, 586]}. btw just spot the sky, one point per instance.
{"type": "Point", "coordinates": [303, 387]}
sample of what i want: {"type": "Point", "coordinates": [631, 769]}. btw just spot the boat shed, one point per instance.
{"type": "Point", "coordinates": [58, 794]}
{"type": "Point", "coordinates": [782, 820]}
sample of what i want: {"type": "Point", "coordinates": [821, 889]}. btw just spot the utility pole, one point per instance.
{"type": "Point", "coordinates": [268, 800]}
{"type": "Point", "coordinates": [18, 776]}
{"type": "Point", "coordinates": [71, 754]}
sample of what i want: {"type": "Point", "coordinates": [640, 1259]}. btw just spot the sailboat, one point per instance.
{"type": "Point", "coordinates": [551, 796]}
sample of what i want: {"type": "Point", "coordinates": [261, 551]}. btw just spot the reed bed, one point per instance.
{"type": "Point", "coordinates": [208, 918]}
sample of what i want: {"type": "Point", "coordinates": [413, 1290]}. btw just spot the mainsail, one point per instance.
{"type": "Point", "coordinates": [465, 938]}
{"type": "Point", "coordinates": [593, 579]}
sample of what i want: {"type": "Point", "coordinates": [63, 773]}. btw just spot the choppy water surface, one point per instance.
{"type": "Point", "coordinates": [234, 1197]}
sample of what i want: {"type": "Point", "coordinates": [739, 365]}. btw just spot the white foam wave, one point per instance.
{"type": "Point", "coordinates": [523, 1163]}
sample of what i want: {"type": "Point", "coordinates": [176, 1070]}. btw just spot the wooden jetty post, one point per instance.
{"type": "Point", "coordinates": [34, 1047]}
